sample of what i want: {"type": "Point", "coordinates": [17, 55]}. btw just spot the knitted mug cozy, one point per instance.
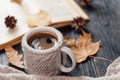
{"type": "Point", "coordinates": [48, 61]}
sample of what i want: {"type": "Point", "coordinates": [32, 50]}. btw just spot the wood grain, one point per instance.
{"type": "Point", "coordinates": [104, 25]}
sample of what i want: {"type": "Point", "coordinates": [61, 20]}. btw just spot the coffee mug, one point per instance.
{"type": "Point", "coordinates": [45, 61]}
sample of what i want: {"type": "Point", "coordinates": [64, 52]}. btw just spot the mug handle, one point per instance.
{"type": "Point", "coordinates": [71, 55]}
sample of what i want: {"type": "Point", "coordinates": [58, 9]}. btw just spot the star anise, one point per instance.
{"type": "Point", "coordinates": [79, 23]}
{"type": "Point", "coordinates": [10, 21]}
{"type": "Point", "coordinates": [84, 3]}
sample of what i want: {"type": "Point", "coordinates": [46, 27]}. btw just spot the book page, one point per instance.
{"type": "Point", "coordinates": [11, 9]}
{"type": "Point", "coordinates": [59, 10]}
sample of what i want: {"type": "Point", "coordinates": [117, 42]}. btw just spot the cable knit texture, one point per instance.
{"type": "Point", "coordinates": [8, 73]}
{"type": "Point", "coordinates": [44, 64]}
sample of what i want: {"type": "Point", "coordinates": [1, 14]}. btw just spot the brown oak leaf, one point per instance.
{"type": "Point", "coordinates": [13, 57]}
{"type": "Point", "coordinates": [83, 46]}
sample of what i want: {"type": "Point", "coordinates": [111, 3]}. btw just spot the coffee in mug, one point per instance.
{"type": "Point", "coordinates": [43, 50]}
{"type": "Point", "coordinates": [42, 41]}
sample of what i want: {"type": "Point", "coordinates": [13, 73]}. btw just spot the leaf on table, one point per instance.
{"type": "Point", "coordinates": [40, 19]}
{"type": "Point", "coordinates": [83, 46]}
{"type": "Point", "coordinates": [13, 57]}
{"type": "Point", "coordinates": [70, 42]}
{"type": "Point", "coordinates": [17, 1]}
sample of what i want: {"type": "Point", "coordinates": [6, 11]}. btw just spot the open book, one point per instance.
{"type": "Point", "coordinates": [61, 13]}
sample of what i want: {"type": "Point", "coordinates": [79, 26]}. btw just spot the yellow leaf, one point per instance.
{"type": "Point", "coordinates": [40, 19]}
{"type": "Point", "coordinates": [80, 58]}
{"type": "Point", "coordinates": [95, 48]}
{"type": "Point", "coordinates": [69, 41]}
{"type": "Point", "coordinates": [83, 46]}
{"type": "Point", "coordinates": [17, 1]}
{"type": "Point", "coordinates": [13, 57]}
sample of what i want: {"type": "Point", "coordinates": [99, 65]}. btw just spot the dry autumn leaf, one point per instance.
{"type": "Point", "coordinates": [40, 19]}
{"type": "Point", "coordinates": [13, 57]}
{"type": "Point", "coordinates": [83, 46]}
{"type": "Point", "coordinates": [17, 1]}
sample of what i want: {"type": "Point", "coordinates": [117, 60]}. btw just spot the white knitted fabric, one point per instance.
{"type": "Point", "coordinates": [8, 73]}
{"type": "Point", "coordinates": [44, 62]}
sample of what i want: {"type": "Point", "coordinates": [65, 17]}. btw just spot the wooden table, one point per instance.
{"type": "Point", "coordinates": [104, 25]}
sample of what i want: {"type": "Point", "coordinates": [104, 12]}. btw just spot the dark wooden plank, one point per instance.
{"type": "Point", "coordinates": [104, 25]}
